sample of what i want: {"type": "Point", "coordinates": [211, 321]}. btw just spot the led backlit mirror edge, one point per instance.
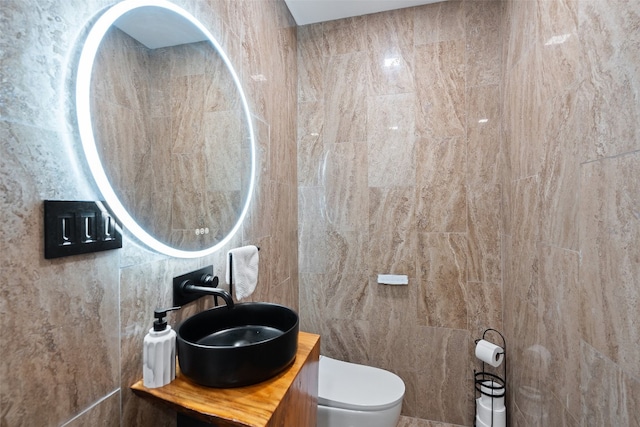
{"type": "Point", "coordinates": [85, 127]}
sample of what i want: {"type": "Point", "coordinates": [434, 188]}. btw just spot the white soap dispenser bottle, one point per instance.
{"type": "Point", "coordinates": [159, 354]}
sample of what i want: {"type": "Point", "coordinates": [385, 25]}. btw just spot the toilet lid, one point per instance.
{"type": "Point", "coordinates": [352, 386]}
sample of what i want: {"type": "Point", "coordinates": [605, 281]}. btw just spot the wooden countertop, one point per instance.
{"type": "Point", "coordinates": [251, 406]}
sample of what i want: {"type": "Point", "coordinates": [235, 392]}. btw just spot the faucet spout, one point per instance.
{"type": "Point", "coordinates": [188, 287]}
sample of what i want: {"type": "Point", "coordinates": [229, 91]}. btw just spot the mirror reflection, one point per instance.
{"type": "Point", "coordinates": [170, 128]}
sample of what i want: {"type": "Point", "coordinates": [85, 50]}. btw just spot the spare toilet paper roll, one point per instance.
{"type": "Point", "coordinates": [489, 353]}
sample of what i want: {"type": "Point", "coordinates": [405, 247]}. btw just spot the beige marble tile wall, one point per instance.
{"type": "Point", "coordinates": [571, 251]}
{"type": "Point", "coordinates": [72, 328]}
{"type": "Point", "coordinates": [399, 172]}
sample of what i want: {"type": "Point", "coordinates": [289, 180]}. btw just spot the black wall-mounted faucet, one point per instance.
{"type": "Point", "coordinates": [196, 284]}
{"type": "Point", "coordinates": [189, 287]}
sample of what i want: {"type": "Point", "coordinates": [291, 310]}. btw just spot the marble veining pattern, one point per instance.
{"type": "Point", "coordinates": [73, 327]}
{"type": "Point", "coordinates": [386, 185]}
{"type": "Point", "coordinates": [391, 140]}
{"type": "Point", "coordinates": [525, 158]}
{"type": "Point", "coordinates": [441, 88]}
{"type": "Point", "coordinates": [390, 49]}
{"type": "Point", "coordinates": [441, 185]}
{"type": "Point", "coordinates": [570, 196]}
{"type": "Point", "coordinates": [345, 108]}
{"type": "Point", "coordinates": [559, 149]}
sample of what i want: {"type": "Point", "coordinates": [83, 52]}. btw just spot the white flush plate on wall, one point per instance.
{"type": "Point", "coordinates": [312, 11]}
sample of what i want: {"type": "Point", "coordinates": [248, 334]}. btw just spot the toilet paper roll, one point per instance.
{"type": "Point", "coordinates": [491, 416]}
{"type": "Point", "coordinates": [489, 353]}
{"type": "Point", "coordinates": [492, 394]}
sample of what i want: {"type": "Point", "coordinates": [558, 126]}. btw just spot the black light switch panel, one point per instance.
{"type": "Point", "coordinates": [72, 227]}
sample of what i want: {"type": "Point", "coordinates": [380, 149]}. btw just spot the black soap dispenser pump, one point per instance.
{"type": "Point", "coordinates": [159, 353]}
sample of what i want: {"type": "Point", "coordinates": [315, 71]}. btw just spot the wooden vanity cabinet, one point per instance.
{"type": "Point", "coordinates": [288, 399]}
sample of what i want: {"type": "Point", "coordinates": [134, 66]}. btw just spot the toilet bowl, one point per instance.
{"type": "Point", "coordinates": [352, 395]}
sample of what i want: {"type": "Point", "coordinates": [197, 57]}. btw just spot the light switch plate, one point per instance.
{"type": "Point", "coordinates": [79, 227]}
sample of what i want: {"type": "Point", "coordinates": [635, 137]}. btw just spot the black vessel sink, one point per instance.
{"type": "Point", "coordinates": [233, 347]}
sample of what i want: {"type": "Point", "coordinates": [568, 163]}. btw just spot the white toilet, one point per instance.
{"type": "Point", "coordinates": [352, 395]}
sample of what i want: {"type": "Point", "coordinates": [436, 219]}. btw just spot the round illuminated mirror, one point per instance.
{"type": "Point", "coordinates": [165, 127]}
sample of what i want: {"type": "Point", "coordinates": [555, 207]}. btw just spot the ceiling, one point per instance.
{"type": "Point", "coordinates": [149, 25]}
{"type": "Point", "coordinates": [312, 11]}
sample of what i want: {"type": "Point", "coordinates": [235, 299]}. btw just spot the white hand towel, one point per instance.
{"type": "Point", "coordinates": [245, 270]}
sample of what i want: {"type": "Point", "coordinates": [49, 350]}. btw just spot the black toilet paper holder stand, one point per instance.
{"type": "Point", "coordinates": [480, 377]}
